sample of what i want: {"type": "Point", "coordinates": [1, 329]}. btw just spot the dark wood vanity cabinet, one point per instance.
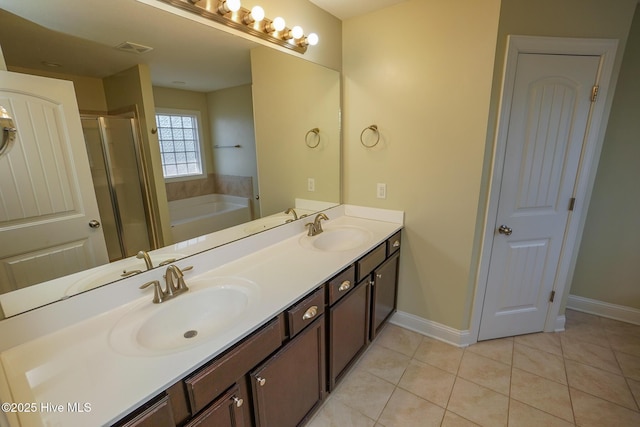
{"type": "Point", "coordinates": [380, 268]}
{"type": "Point", "coordinates": [289, 385]}
{"type": "Point", "coordinates": [348, 325]}
{"type": "Point", "coordinates": [281, 373]}
{"type": "Point", "coordinates": [384, 285]}
{"type": "Point", "coordinates": [226, 411]}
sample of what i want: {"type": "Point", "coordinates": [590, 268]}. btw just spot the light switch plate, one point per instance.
{"type": "Point", "coordinates": [381, 191]}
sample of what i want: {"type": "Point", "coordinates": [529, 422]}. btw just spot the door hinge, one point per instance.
{"type": "Point", "coordinates": [594, 92]}
{"type": "Point", "coordinates": [572, 203]}
{"type": "Point", "coordinates": [553, 296]}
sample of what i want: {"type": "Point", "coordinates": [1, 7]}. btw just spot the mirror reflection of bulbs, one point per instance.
{"type": "Point", "coordinates": [312, 39]}
{"type": "Point", "coordinates": [297, 32]}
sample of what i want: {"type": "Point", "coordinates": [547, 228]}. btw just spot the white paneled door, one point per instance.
{"type": "Point", "coordinates": [548, 121]}
{"type": "Point", "coordinates": [47, 201]}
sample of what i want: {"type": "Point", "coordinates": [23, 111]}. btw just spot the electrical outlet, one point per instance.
{"type": "Point", "coordinates": [311, 184]}
{"type": "Point", "coordinates": [381, 191]}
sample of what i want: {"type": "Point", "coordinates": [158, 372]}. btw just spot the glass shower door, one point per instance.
{"type": "Point", "coordinates": [119, 184]}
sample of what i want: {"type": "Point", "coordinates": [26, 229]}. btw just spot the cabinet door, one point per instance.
{"type": "Point", "coordinates": [348, 330]}
{"type": "Point", "coordinates": [224, 412]}
{"type": "Point", "coordinates": [384, 290]}
{"type": "Point", "coordinates": [290, 384]}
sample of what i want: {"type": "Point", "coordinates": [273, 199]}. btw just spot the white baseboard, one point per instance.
{"type": "Point", "coordinates": [560, 322]}
{"type": "Point", "coordinates": [604, 309]}
{"type": "Point", "coordinates": [432, 329]}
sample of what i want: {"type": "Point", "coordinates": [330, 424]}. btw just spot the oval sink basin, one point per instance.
{"type": "Point", "coordinates": [342, 238]}
{"type": "Point", "coordinates": [209, 307]}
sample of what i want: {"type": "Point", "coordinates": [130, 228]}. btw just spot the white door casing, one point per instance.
{"type": "Point", "coordinates": [46, 194]}
{"type": "Point", "coordinates": [512, 297]}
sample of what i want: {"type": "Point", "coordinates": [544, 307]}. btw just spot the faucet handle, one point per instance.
{"type": "Point", "coordinates": [167, 262]}
{"type": "Point", "coordinates": [157, 290]}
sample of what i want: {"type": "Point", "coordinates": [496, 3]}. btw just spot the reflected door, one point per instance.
{"type": "Point", "coordinates": [47, 203]}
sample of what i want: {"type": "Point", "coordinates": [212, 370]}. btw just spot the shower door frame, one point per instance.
{"type": "Point", "coordinates": [129, 113]}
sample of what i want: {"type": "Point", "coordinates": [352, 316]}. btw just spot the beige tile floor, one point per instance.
{"type": "Point", "coordinates": [588, 375]}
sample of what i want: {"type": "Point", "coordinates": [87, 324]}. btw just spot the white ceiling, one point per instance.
{"type": "Point", "coordinates": [345, 9]}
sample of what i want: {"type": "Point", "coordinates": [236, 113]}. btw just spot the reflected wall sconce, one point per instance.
{"type": "Point", "coordinates": [254, 22]}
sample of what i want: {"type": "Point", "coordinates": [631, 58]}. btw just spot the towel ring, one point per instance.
{"type": "Point", "coordinates": [373, 128]}
{"type": "Point", "coordinates": [316, 132]}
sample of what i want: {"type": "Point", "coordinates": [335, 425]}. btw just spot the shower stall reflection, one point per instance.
{"type": "Point", "coordinates": [119, 181]}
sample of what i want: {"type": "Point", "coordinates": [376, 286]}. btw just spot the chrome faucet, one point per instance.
{"type": "Point", "coordinates": [293, 211]}
{"type": "Point", "coordinates": [315, 227]}
{"type": "Point", "coordinates": [174, 284]}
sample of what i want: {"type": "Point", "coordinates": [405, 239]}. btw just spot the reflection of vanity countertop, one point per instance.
{"type": "Point", "coordinates": [76, 365]}
{"type": "Point", "coordinates": [27, 298]}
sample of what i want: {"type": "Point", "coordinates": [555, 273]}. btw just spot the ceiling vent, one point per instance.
{"type": "Point", "coordinates": [134, 47]}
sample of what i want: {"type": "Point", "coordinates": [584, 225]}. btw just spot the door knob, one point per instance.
{"type": "Point", "coordinates": [505, 230]}
{"type": "Point", "coordinates": [94, 223]}
{"type": "Point", "coordinates": [261, 381]}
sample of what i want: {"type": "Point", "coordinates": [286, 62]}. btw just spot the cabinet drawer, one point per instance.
{"type": "Point", "coordinates": [305, 312]}
{"type": "Point", "coordinates": [367, 263]}
{"type": "Point", "coordinates": [224, 412]}
{"type": "Point", "coordinates": [340, 285]}
{"type": "Point", "coordinates": [208, 383]}
{"type": "Point", "coordinates": [393, 244]}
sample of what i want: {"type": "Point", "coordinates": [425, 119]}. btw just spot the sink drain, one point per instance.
{"type": "Point", "coordinates": [190, 334]}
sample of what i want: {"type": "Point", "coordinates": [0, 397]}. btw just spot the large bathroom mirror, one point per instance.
{"type": "Point", "coordinates": [268, 127]}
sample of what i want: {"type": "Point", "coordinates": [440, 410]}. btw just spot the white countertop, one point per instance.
{"type": "Point", "coordinates": [77, 365]}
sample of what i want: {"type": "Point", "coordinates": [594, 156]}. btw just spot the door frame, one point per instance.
{"type": "Point", "coordinates": [596, 126]}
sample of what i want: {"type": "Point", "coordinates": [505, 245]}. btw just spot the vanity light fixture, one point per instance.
{"type": "Point", "coordinates": [227, 6]}
{"type": "Point", "coordinates": [295, 33]}
{"type": "Point", "coordinates": [233, 15]}
{"type": "Point", "coordinates": [256, 15]}
{"type": "Point", "coordinates": [310, 40]}
{"type": "Point", "coordinates": [278, 24]}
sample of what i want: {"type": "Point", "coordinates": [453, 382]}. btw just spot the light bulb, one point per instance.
{"type": "Point", "coordinates": [312, 39]}
{"type": "Point", "coordinates": [257, 13]}
{"type": "Point", "coordinates": [227, 6]}
{"type": "Point", "coordinates": [233, 5]}
{"type": "Point", "coordinates": [297, 32]}
{"type": "Point", "coordinates": [278, 24]}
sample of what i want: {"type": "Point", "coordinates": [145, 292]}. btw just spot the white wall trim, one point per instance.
{"type": "Point", "coordinates": [560, 322]}
{"type": "Point", "coordinates": [606, 50]}
{"type": "Point", "coordinates": [604, 309]}
{"type": "Point", "coordinates": [432, 329]}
